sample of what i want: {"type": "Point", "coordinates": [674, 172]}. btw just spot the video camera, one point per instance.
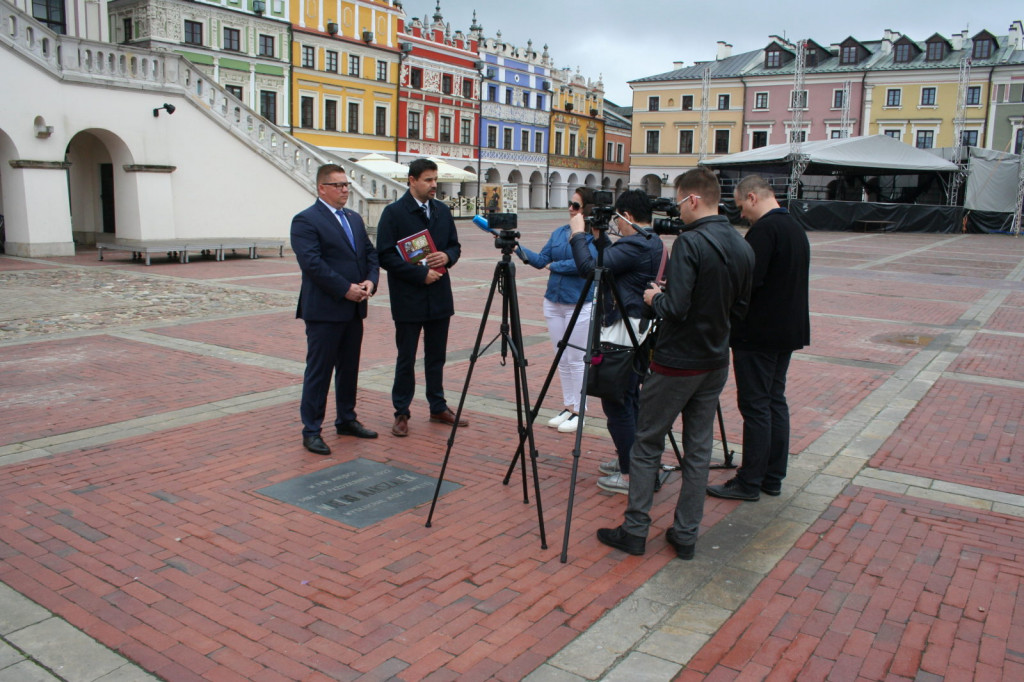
{"type": "Point", "coordinates": [671, 224]}
{"type": "Point", "coordinates": [502, 226]}
{"type": "Point", "coordinates": [602, 211]}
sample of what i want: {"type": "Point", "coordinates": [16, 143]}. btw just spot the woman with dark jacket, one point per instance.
{"type": "Point", "coordinates": [564, 288]}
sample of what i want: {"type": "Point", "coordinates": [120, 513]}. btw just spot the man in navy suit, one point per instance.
{"type": "Point", "coordinates": [339, 274]}
{"type": "Point", "coordinates": [421, 297]}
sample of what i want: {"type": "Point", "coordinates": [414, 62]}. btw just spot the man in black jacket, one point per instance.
{"type": "Point", "coordinates": [634, 260]}
{"type": "Point", "coordinates": [777, 323]}
{"type": "Point", "coordinates": [708, 287]}
{"type": "Point", "coordinates": [339, 274]}
{"type": "Point", "coordinates": [421, 294]}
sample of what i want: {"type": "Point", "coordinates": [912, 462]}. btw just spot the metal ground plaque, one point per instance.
{"type": "Point", "coordinates": [358, 493]}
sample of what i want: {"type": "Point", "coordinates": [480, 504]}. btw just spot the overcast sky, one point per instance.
{"type": "Point", "coordinates": [623, 41]}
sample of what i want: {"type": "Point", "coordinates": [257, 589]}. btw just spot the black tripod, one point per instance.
{"type": "Point", "coordinates": [600, 273]}
{"type": "Point", "coordinates": [511, 335]}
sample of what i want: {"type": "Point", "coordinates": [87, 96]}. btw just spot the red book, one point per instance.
{"type": "Point", "coordinates": [415, 247]}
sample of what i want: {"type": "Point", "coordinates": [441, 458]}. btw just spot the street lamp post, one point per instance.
{"type": "Point", "coordinates": [403, 51]}
{"type": "Point", "coordinates": [481, 69]}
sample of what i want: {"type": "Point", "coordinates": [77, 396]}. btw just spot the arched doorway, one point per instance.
{"type": "Point", "coordinates": [104, 200]}
{"type": "Point", "coordinates": [558, 196]}
{"type": "Point", "coordinates": [515, 178]}
{"type": "Point", "coordinates": [651, 184]}
{"type": "Point", "coordinates": [537, 190]}
{"type": "Point", "coordinates": [12, 194]}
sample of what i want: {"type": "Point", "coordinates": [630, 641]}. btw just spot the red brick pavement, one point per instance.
{"type": "Point", "coordinates": [961, 432]}
{"type": "Point", "coordinates": [992, 355]}
{"type": "Point", "coordinates": [56, 387]}
{"type": "Point", "coordinates": [921, 311]}
{"type": "Point", "coordinates": [883, 587]}
{"type": "Point", "coordinates": [171, 557]}
{"type": "Point", "coordinates": [1008, 317]}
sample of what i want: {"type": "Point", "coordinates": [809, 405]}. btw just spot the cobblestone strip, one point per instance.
{"type": "Point", "coordinates": [654, 632]}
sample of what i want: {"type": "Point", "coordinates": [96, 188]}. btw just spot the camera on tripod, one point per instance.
{"type": "Point", "coordinates": [602, 211]}
{"type": "Point", "coordinates": [671, 224]}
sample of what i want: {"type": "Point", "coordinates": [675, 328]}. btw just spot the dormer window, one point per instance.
{"type": "Point", "coordinates": [982, 48]}
{"type": "Point", "coordinates": [901, 53]}
{"type": "Point", "coordinates": [773, 59]}
{"type": "Point", "coordinates": [936, 51]}
{"type": "Point", "coordinates": [811, 58]}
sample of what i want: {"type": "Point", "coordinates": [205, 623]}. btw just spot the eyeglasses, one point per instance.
{"type": "Point", "coordinates": [338, 185]}
{"type": "Point", "coordinates": [575, 205]}
{"type": "Point", "coordinates": [687, 198]}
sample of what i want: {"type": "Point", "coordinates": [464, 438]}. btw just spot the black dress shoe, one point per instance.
{"type": "Point", "coordinates": [773, 489]}
{"type": "Point", "coordinates": [733, 489]}
{"type": "Point", "coordinates": [620, 539]}
{"type": "Point", "coordinates": [316, 445]}
{"type": "Point", "coordinates": [684, 552]}
{"type": "Point", "coordinates": [354, 428]}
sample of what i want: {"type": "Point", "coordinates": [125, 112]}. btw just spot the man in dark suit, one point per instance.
{"type": "Point", "coordinates": [339, 274]}
{"type": "Point", "coordinates": [421, 295]}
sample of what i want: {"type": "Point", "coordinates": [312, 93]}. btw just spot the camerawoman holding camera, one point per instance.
{"type": "Point", "coordinates": [635, 260]}
{"type": "Point", "coordinates": [565, 285]}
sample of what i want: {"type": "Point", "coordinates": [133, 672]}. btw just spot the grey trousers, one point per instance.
{"type": "Point", "coordinates": [662, 398]}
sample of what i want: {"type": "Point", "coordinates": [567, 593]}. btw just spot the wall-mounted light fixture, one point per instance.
{"type": "Point", "coordinates": [259, 6]}
{"type": "Point", "coordinates": [664, 178]}
{"type": "Point", "coordinates": [43, 131]}
{"type": "Point", "coordinates": [169, 108]}
{"type": "Point", "coordinates": [367, 37]}
{"type": "Point", "coordinates": [332, 28]}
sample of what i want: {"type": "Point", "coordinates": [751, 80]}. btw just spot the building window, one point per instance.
{"type": "Point", "coordinates": [492, 136]}
{"type": "Point", "coordinates": [838, 99]}
{"type": "Point", "coordinates": [721, 141]}
{"type": "Point", "coordinates": [538, 142]}
{"type": "Point", "coordinates": [687, 102]}
{"type": "Point", "coordinates": [128, 32]}
{"type": "Point", "coordinates": [836, 134]}
{"type": "Point", "coordinates": [760, 100]}
{"type": "Point", "coordinates": [609, 151]}
{"type": "Point", "coordinates": [894, 134]}
{"type": "Point", "coordinates": [380, 126]}
{"type": "Point", "coordinates": [925, 139]}
{"type": "Point", "coordinates": [573, 149]}
{"type": "Point", "coordinates": [969, 138]}
{"type": "Point", "coordinates": [193, 33]}
{"type": "Point", "coordinates": [382, 70]}
{"type": "Point", "coordinates": [685, 141]}
{"type": "Point", "coordinates": [526, 100]}
{"type": "Point", "coordinates": [51, 13]}
{"type": "Point", "coordinates": [936, 51]}
{"type": "Point", "coordinates": [590, 146]}
{"type": "Point", "coordinates": [798, 136]}
{"type": "Point", "coordinates": [892, 97]}
{"type": "Point", "coordinates": [266, 45]}
{"type": "Point", "coordinates": [927, 97]}
{"type": "Point", "coordinates": [798, 99]}
{"type": "Point", "coordinates": [466, 133]}
{"type": "Point", "coordinates": [306, 112]}
{"type": "Point", "coordinates": [330, 115]}
{"type": "Point", "coordinates": [235, 90]}
{"type": "Point", "coordinates": [723, 102]}
{"type": "Point", "coordinates": [1018, 144]}
{"type": "Point", "coordinates": [416, 78]}
{"type": "Point", "coordinates": [848, 55]}
{"type": "Point", "coordinates": [619, 150]}
{"type": "Point", "coordinates": [309, 57]}
{"type": "Point", "coordinates": [540, 102]}
{"type": "Point", "coordinates": [653, 103]}
{"type": "Point", "coordinates": [901, 52]}
{"type": "Point", "coordinates": [467, 88]}
{"type": "Point", "coordinates": [446, 84]}
{"type": "Point", "coordinates": [507, 138]}
{"type": "Point", "coordinates": [232, 40]}
{"type": "Point", "coordinates": [524, 140]}
{"type": "Point", "coordinates": [445, 129]}
{"type": "Point", "coordinates": [973, 95]}
{"type": "Point", "coordinates": [414, 125]}
{"type": "Point", "coordinates": [653, 141]}
{"type": "Point", "coordinates": [268, 105]}
{"type": "Point", "coordinates": [773, 59]}
{"type": "Point", "coordinates": [353, 117]}
{"type": "Point", "coordinates": [508, 96]}
{"type": "Point", "coordinates": [492, 93]}
{"type": "Point", "coordinates": [331, 61]}
{"type": "Point", "coordinates": [558, 142]}
{"type": "Point", "coordinates": [353, 65]}
{"type": "Point", "coordinates": [759, 139]}
{"type": "Point", "coordinates": [982, 49]}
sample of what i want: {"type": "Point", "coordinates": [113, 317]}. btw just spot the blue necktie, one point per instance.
{"type": "Point", "coordinates": [344, 224]}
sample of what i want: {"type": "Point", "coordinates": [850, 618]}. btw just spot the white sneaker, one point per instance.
{"type": "Point", "coordinates": [569, 425]}
{"type": "Point", "coordinates": [610, 467]}
{"type": "Point", "coordinates": [556, 421]}
{"type": "Point", "coordinates": [616, 483]}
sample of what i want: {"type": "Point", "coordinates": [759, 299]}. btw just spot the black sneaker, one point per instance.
{"type": "Point", "coordinates": [773, 489]}
{"type": "Point", "coordinates": [620, 539]}
{"type": "Point", "coordinates": [684, 552]}
{"type": "Point", "coordinates": [733, 489]}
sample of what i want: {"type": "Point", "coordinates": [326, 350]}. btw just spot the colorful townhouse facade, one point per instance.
{"type": "Point", "coordinates": [898, 86]}
{"type": "Point", "coordinates": [618, 135]}
{"type": "Point", "coordinates": [577, 134]}
{"type": "Point", "coordinates": [345, 59]}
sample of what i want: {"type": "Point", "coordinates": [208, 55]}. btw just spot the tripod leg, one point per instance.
{"type": "Point", "coordinates": [727, 463]}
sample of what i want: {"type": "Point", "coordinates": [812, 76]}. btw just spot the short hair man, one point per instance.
{"type": "Point", "coordinates": [777, 323]}
{"type": "Point", "coordinates": [634, 260]}
{"type": "Point", "coordinates": [421, 297]}
{"type": "Point", "coordinates": [708, 285]}
{"type": "Point", "coordinates": [339, 274]}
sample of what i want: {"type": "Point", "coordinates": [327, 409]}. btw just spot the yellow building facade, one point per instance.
{"type": "Point", "coordinates": [346, 61]}
{"type": "Point", "coordinates": [919, 108]}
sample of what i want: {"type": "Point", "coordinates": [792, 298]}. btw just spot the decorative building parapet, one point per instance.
{"type": "Point", "coordinates": [507, 112]}
{"type": "Point", "coordinates": [513, 156]}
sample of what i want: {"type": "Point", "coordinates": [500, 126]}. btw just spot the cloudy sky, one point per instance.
{"type": "Point", "coordinates": [623, 41]}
